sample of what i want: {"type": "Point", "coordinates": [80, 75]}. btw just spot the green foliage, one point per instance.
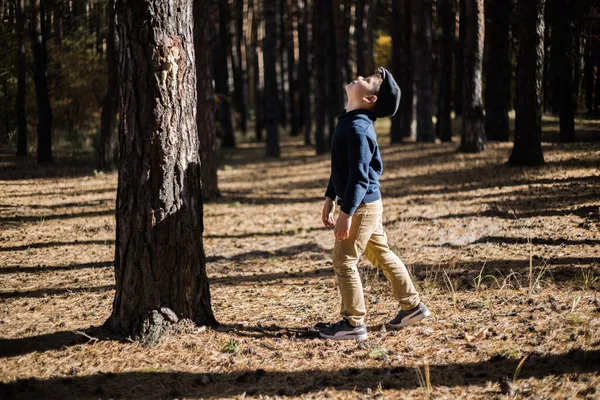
{"type": "Point", "coordinates": [383, 50]}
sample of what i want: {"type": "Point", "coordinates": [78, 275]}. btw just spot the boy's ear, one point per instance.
{"type": "Point", "coordinates": [371, 99]}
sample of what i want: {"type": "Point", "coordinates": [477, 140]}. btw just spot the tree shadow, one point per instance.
{"type": "Point", "coordinates": [54, 292]}
{"type": "Point", "coordinates": [43, 245]}
{"type": "Point", "coordinates": [12, 269]}
{"type": "Point", "coordinates": [37, 218]}
{"type": "Point", "coordinates": [153, 385]}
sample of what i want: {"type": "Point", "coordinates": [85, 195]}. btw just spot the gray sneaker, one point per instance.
{"type": "Point", "coordinates": [342, 330]}
{"type": "Point", "coordinates": [409, 317]}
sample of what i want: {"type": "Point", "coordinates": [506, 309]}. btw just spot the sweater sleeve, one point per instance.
{"type": "Point", "coordinates": [330, 192]}
{"type": "Point", "coordinates": [359, 158]}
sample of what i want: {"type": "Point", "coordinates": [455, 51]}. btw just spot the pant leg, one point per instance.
{"type": "Point", "coordinates": [379, 254]}
{"type": "Point", "coordinates": [346, 254]}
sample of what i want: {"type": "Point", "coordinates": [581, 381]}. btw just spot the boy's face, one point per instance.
{"type": "Point", "coordinates": [362, 89]}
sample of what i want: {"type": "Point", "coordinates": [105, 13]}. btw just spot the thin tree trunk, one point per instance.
{"type": "Point", "coordinates": [40, 75]}
{"type": "Point", "coordinates": [221, 70]}
{"type": "Point", "coordinates": [108, 149]}
{"type": "Point", "coordinates": [238, 71]}
{"type": "Point", "coordinates": [556, 54]}
{"type": "Point", "coordinates": [447, 10]}
{"type": "Point", "coordinates": [159, 254]}
{"type": "Point", "coordinates": [359, 36]}
{"type": "Point", "coordinates": [205, 110]}
{"type": "Point", "coordinates": [473, 139]}
{"type": "Point", "coordinates": [281, 58]}
{"type": "Point", "coordinates": [547, 79]}
{"type": "Point", "coordinates": [270, 59]}
{"type": "Point", "coordinates": [371, 17]}
{"type": "Point", "coordinates": [527, 149]}
{"type": "Point", "coordinates": [402, 68]}
{"type": "Point", "coordinates": [332, 75]}
{"type": "Point", "coordinates": [291, 66]}
{"type": "Point", "coordinates": [21, 81]}
{"type": "Point", "coordinates": [562, 34]}
{"type": "Point", "coordinates": [303, 71]}
{"type": "Point", "coordinates": [588, 76]}
{"type": "Point", "coordinates": [459, 89]}
{"type": "Point", "coordinates": [498, 71]}
{"type": "Point", "coordinates": [321, 93]}
{"type": "Point", "coordinates": [423, 72]}
{"type": "Point", "coordinates": [259, 111]}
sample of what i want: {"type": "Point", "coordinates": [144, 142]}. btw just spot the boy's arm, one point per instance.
{"type": "Point", "coordinates": [330, 192]}
{"type": "Point", "coordinates": [359, 158]}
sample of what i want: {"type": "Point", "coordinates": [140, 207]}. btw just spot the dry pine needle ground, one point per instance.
{"type": "Point", "coordinates": [506, 258]}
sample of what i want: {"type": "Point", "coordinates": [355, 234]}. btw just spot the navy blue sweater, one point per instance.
{"type": "Point", "coordinates": [355, 161]}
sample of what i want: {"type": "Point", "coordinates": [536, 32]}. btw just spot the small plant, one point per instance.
{"type": "Point", "coordinates": [98, 173]}
{"type": "Point", "coordinates": [424, 380]}
{"type": "Point", "coordinates": [588, 278]}
{"type": "Point", "coordinates": [231, 347]}
{"type": "Point", "coordinates": [235, 204]}
{"type": "Point", "coordinates": [576, 301]}
{"type": "Point", "coordinates": [450, 287]}
{"type": "Point", "coordinates": [41, 221]}
{"type": "Point", "coordinates": [378, 352]}
{"type": "Point", "coordinates": [534, 281]}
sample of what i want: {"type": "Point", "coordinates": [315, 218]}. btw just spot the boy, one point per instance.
{"type": "Point", "coordinates": [354, 185]}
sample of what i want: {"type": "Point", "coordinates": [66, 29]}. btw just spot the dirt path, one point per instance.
{"type": "Point", "coordinates": [450, 217]}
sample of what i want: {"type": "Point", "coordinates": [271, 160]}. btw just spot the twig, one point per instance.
{"type": "Point", "coordinates": [91, 339]}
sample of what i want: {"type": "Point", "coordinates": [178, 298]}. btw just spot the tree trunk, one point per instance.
{"type": "Point", "coordinates": [473, 139]}
{"type": "Point", "coordinates": [321, 92]}
{"type": "Point", "coordinates": [259, 121]}
{"type": "Point", "coordinates": [447, 10]}
{"type": "Point", "coordinates": [108, 149]}
{"type": "Point", "coordinates": [270, 59]}
{"type": "Point", "coordinates": [205, 110]}
{"type": "Point", "coordinates": [371, 17]}
{"type": "Point", "coordinates": [402, 68]}
{"type": "Point", "coordinates": [562, 34]}
{"type": "Point", "coordinates": [281, 47]}
{"type": "Point", "coordinates": [498, 71]}
{"type": "Point", "coordinates": [527, 149]}
{"type": "Point", "coordinates": [238, 71]}
{"type": "Point", "coordinates": [588, 76]}
{"type": "Point", "coordinates": [556, 54]}
{"type": "Point", "coordinates": [159, 258]}
{"type": "Point", "coordinates": [303, 72]}
{"type": "Point", "coordinates": [547, 79]}
{"type": "Point", "coordinates": [288, 27]}
{"type": "Point", "coordinates": [40, 75]}
{"type": "Point", "coordinates": [21, 81]}
{"type": "Point", "coordinates": [221, 70]}
{"type": "Point", "coordinates": [459, 89]}
{"type": "Point", "coordinates": [333, 72]}
{"type": "Point", "coordinates": [423, 72]}
{"type": "Point", "coordinates": [359, 36]}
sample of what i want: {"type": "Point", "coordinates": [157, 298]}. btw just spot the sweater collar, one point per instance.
{"type": "Point", "coordinates": [353, 113]}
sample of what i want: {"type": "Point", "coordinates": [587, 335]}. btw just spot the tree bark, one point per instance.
{"type": "Point", "coordinates": [281, 60]}
{"type": "Point", "coordinates": [259, 119]}
{"type": "Point", "coordinates": [527, 149]}
{"type": "Point", "coordinates": [447, 12]}
{"type": "Point", "coordinates": [221, 71]}
{"type": "Point", "coordinates": [205, 110]}
{"type": "Point", "coordinates": [563, 50]}
{"type": "Point", "coordinates": [239, 89]}
{"type": "Point", "coordinates": [40, 75]}
{"type": "Point", "coordinates": [321, 92]}
{"type": "Point", "coordinates": [423, 72]}
{"type": "Point", "coordinates": [371, 17]}
{"type": "Point", "coordinates": [459, 89]}
{"type": "Point", "coordinates": [304, 72]}
{"type": "Point", "coordinates": [108, 149]}
{"type": "Point", "coordinates": [402, 68]}
{"type": "Point", "coordinates": [291, 66]}
{"type": "Point", "coordinates": [270, 59]}
{"type": "Point", "coordinates": [498, 71]}
{"type": "Point", "coordinates": [588, 76]}
{"type": "Point", "coordinates": [332, 75]}
{"type": "Point", "coordinates": [159, 257]}
{"type": "Point", "coordinates": [473, 139]}
{"type": "Point", "coordinates": [21, 81]}
{"type": "Point", "coordinates": [359, 36]}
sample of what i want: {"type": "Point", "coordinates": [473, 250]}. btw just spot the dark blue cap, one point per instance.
{"type": "Point", "coordinates": [388, 98]}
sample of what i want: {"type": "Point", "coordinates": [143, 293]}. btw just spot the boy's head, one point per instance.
{"type": "Point", "coordinates": [378, 93]}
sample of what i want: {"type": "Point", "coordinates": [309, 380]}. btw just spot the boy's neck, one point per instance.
{"type": "Point", "coordinates": [351, 106]}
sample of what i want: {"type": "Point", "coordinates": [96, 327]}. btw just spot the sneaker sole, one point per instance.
{"type": "Point", "coordinates": [411, 321]}
{"type": "Point", "coordinates": [362, 336]}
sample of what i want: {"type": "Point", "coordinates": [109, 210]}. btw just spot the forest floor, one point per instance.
{"type": "Point", "coordinates": [507, 259]}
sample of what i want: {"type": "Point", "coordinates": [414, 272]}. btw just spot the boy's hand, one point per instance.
{"type": "Point", "coordinates": [327, 215]}
{"type": "Point", "coordinates": [342, 226]}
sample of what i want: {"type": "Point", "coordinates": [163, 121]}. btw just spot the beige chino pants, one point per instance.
{"type": "Point", "coordinates": [367, 236]}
